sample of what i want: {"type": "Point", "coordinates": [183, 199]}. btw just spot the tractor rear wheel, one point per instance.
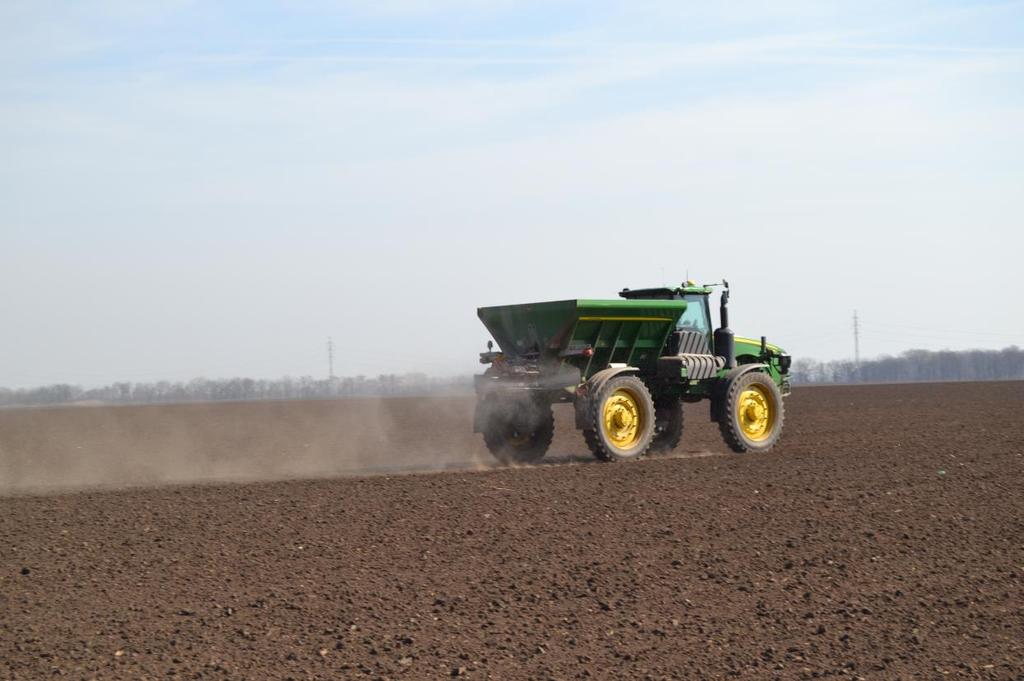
{"type": "Point", "coordinates": [668, 423]}
{"type": "Point", "coordinates": [621, 420]}
{"type": "Point", "coordinates": [518, 431]}
{"type": "Point", "coordinates": [751, 413]}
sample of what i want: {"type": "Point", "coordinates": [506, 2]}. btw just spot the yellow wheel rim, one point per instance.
{"type": "Point", "coordinates": [756, 412]}
{"type": "Point", "coordinates": [623, 419]}
{"type": "Point", "coordinates": [518, 439]}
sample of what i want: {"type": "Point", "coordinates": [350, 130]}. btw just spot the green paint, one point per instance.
{"type": "Point", "coordinates": [633, 331]}
{"type": "Point", "coordinates": [627, 331]}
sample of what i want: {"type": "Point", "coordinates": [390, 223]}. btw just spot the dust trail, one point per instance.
{"type": "Point", "coordinates": [155, 444]}
{"type": "Point", "coordinates": [102, 447]}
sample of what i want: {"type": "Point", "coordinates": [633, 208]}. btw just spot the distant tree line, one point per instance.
{"type": "Point", "coordinates": [916, 365]}
{"type": "Point", "coordinates": [913, 365]}
{"type": "Point", "coordinates": [212, 390]}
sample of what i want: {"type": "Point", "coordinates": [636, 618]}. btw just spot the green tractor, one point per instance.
{"type": "Point", "coordinates": [628, 366]}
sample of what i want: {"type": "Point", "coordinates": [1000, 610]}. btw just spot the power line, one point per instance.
{"type": "Point", "coordinates": [330, 358]}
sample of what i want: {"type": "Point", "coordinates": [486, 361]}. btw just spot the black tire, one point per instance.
{"type": "Point", "coordinates": [518, 431]}
{"type": "Point", "coordinates": [742, 425]}
{"type": "Point", "coordinates": [668, 424]}
{"type": "Point", "coordinates": [606, 444]}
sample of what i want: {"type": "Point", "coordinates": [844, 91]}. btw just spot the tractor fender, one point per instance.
{"type": "Point", "coordinates": [722, 384]}
{"type": "Point", "coordinates": [592, 386]}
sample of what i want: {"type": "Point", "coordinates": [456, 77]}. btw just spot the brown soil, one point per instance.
{"type": "Point", "coordinates": [882, 539]}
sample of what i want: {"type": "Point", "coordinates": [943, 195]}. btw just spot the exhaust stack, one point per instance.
{"type": "Point", "coordinates": [725, 341]}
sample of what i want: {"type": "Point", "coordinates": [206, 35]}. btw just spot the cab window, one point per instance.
{"type": "Point", "coordinates": [695, 317]}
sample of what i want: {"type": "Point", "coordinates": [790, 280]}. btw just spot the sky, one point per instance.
{"type": "Point", "coordinates": [212, 189]}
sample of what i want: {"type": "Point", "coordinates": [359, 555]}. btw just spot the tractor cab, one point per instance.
{"type": "Point", "coordinates": [693, 344]}
{"type": "Point", "coordinates": [697, 316]}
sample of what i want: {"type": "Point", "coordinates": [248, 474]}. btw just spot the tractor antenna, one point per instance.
{"type": "Point", "coordinates": [330, 358]}
{"type": "Point", "coordinates": [856, 343]}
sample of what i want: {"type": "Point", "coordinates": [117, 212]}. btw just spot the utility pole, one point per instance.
{"type": "Point", "coordinates": [856, 343]}
{"type": "Point", "coordinates": [330, 358]}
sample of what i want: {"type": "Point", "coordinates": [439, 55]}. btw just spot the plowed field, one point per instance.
{"type": "Point", "coordinates": [882, 539]}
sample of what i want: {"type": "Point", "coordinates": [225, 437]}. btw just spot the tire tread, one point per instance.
{"type": "Point", "coordinates": [727, 425]}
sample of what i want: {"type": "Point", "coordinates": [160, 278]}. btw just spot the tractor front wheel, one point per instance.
{"type": "Point", "coordinates": [621, 420]}
{"type": "Point", "coordinates": [519, 430]}
{"type": "Point", "coordinates": [751, 413]}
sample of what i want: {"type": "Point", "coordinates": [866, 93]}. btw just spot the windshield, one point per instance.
{"type": "Point", "coordinates": [695, 317]}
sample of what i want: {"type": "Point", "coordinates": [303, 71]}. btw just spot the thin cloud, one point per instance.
{"type": "Point", "coordinates": [231, 196]}
{"type": "Point", "coordinates": [810, 48]}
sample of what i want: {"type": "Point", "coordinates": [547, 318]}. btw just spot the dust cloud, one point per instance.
{"type": "Point", "coordinates": [81, 447]}
{"type": "Point", "coordinates": [68, 448]}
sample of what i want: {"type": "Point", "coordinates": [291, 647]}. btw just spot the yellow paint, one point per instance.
{"type": "Point", "coordinates": [518, 439]}
{"type": "Point", "coordinates": [756, 412]}
{"type": "Point", "coordinates": [625, 319]}
{"type": "Point", "coordinates": [741, 339]}
{"type": "Point", "coordinates": [623, 418]}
